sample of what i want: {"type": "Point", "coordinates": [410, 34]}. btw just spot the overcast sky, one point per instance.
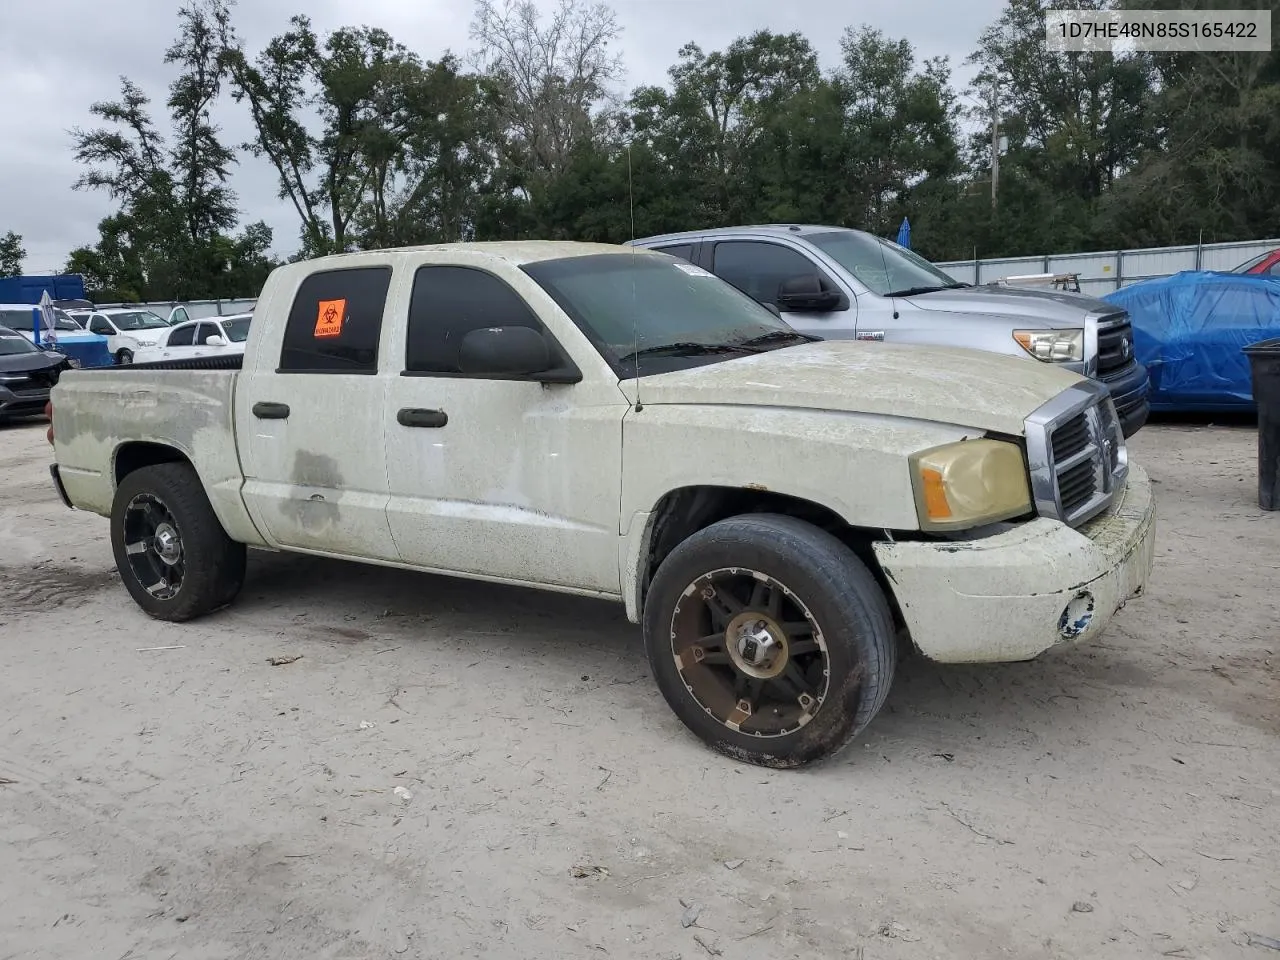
{"type": "Point", "coordinates": [59, 56]}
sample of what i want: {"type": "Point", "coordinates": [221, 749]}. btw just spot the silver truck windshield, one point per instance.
{"type": "Point", "coordinates": [882, 267]}
{"type": "Point", "coordinates": [635, 306]}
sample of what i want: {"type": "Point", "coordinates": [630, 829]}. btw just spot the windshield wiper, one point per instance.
{"type": "Point", "coordinates": [684, 349]}
{"type": "Point", "coordinates": [775, 336]}
{"type": "Point", "coordinates": [913, 291]}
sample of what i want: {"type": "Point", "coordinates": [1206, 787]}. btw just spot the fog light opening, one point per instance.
{"type": "Point", "coordinates": [1076, 616]}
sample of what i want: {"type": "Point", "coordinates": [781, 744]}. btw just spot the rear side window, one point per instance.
{"type": "Point", "coordinates": [450, 302]}
{"type": "Point", "coordinates": [336, 321]}
{"type": "Point", "coordinates": [182, 336]}
{"type": "Point", "coordinates": [683, 250]}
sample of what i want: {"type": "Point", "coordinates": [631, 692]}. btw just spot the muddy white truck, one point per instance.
{"type": "Point", "coordinates": [785, 516]}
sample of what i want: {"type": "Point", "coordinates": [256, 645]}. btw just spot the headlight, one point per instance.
{"type": "Point", "coordinates": [970, 483]}
{"type": "Point", "coordinates": [1052, 346]}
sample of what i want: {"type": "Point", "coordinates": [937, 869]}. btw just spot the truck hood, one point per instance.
{"type": "Point", "coordinates": [965, 388]}
{"type": "Point", "coordinates": [1053, 309]}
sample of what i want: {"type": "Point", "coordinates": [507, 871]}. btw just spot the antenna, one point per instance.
{"type": "Point", "coordinates": [885, 265]}
{"type": "Point", "coordinates": [635, 326]}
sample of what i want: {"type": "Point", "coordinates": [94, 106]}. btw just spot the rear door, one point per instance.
{"type": "Point", "coordinates": [310, 417]}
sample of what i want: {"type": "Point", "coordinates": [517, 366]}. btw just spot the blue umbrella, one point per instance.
{"type": "Point", "coordinates": [904, 234]}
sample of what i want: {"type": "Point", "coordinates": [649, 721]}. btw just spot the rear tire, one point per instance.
{"type": "Point", "coordinates": [769, 639]}
{"type": "Point", "coordinates": [175, 559]}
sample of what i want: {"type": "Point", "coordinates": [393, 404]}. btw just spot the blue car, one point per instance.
{"type": "Point", "coordinates": [1189, 330]}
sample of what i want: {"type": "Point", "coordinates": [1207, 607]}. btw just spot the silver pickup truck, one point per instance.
{"type": "Point", "coordinates": [844, 284]}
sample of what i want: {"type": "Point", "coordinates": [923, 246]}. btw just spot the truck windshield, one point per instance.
{"type": "Point", "coordinates": [665, 312]}
{"type": "Point", "coordinates": [137, 320]}
{"type": "Point", "coordinates": [237, 330]}
{"type": "Point", "coordinates": [882, 267]}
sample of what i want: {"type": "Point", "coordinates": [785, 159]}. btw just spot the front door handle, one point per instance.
{"type": "Point", "coordinates": [271, 411]}
{"type": "Point", "coordinates": [413, 417]}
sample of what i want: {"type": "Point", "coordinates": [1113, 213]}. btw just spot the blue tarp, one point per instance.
{"type": "Point", "coordinates": [1189, 329]}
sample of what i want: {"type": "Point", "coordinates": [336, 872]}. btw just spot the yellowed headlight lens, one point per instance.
{"type": "Point", "coordinates": [970, 483]}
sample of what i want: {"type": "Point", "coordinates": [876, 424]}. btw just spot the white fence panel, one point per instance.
{"type": "Point", "coordinates": [1105, 271]}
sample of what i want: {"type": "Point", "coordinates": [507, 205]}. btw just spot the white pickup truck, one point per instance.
{"type": "Point", "coordinates": [779, 512]}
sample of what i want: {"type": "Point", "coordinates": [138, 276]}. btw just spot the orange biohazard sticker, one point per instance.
{"type": "Point", "coordinates": [329, 316]}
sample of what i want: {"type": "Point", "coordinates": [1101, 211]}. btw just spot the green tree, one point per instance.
{"type": "Point", "coordinates": [170, 237]}
{"type": "Point", "coordinates": [1075, 122]}
{"type": "Point", "coordinates": [12, 254]}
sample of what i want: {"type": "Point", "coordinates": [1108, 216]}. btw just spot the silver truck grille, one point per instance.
{"type": "Point", "coordinates": [1076, 453]}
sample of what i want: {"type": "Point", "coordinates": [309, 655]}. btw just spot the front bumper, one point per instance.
{"type": "Point", "coordinates": [23, 403]}
{"type": "Point", "coordinates": [1130, 392]}
{"type": "Point", "coordinates": [1014, 595]}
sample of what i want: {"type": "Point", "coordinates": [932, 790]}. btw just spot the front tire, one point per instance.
{"type": "Point", "coordinates": [124, 357]}
{"type": "Point", "coordinates": [175, 559]}
{"type": "Point", "coordinates": [769, 639]}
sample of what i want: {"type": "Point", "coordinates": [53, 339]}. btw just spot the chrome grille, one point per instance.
{"type": "Point", "coordinates": [1076, 453]}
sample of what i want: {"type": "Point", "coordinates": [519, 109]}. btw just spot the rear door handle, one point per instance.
{"type": "Point", "coordinates": [271, 411]}
{"type": "Point", "coordinates": [413, 417]}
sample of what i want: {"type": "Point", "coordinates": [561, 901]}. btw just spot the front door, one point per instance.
{"type": "Point", "coordinates": [497, 475]}
{"type": "Point", "coordinates": [310, 418]}
{"type": "Point", "coordinates": [759, 267]}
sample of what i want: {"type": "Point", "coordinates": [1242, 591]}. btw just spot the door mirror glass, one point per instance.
{"type": "Point", "coordinates": [504, 350]}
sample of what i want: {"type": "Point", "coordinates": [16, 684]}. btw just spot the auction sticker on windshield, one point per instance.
{"type": "Point", "coordinates": [329, 316]}
{"type": "Point", "coordinates": [693, 270]}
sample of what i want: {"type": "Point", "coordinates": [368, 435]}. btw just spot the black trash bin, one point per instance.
{"type": "Point", "coordinates": [1264, 359]}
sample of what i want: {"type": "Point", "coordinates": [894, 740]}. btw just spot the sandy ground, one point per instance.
{"type": "Point", "coordinates": [1116, 800]}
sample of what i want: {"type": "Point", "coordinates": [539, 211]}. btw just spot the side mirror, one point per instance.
{"type": "Point", "coordinates": [215, 341]}
{"type": "Point", "coordinates": [805, 294]}
{"type": "Point", "coordinates": [512, 351]}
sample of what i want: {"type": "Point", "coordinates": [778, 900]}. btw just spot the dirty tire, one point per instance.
{"type": "Point", "coordinates": [839, 592]}
{"type": "Point", "coordinates": [124, 357]}
{"type": "Point", "coordinates": [214, 564]}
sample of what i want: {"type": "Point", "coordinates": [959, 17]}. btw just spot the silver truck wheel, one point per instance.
{"type": "Point", "coordinates": [173, 556]}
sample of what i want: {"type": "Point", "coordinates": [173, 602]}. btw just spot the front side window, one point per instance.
{"type": "Point", "coordinates": [882, 267]}
{"type": "Point", "coordinates": [100, 326]}
{"type": "Point", "coordinates": [449, 302]}
{"type": "Point", "coordinates": [648, 314]}
{"type": "Point", "coordinates": [759, 268]}
{"type": "Point", "coordinates": [206, 331]}
{"type": "Point", "coordinates": [182, 336]}
{"type": "Point", "coordinates": [336, 321]}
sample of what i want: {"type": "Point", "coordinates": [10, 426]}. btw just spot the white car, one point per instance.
{"type": "Point", "coordinates": [211, 337]}
{"type": "Point", "coordinates": [127, 330]}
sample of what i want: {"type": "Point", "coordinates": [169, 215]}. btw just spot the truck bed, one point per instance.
{"type": "Point", "coordinates": [108, 420]}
